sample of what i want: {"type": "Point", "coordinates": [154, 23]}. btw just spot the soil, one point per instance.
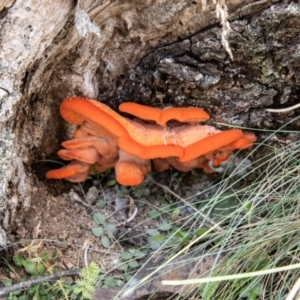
{"type": "Point", "coordinates": [61, 219]}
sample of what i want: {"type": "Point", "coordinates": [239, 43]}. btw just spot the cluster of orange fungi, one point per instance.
{"type": "Point", "coordinates": [104, 139]}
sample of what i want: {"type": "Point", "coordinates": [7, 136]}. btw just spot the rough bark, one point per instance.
{"type": "Point", "coordinates": [155, 52]}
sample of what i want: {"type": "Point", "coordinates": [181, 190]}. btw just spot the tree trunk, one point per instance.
{"type": "Point", "coordinates": [157, 52]}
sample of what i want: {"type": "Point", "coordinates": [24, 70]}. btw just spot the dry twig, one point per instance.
{"type": "Point", "coordinates": [29, 283]}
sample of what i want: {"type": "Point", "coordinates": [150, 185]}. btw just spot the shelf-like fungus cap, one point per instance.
{"type": "Point", "coordinates": [76, 171]}
{"type": "Point", "coordinates": [162, 116]}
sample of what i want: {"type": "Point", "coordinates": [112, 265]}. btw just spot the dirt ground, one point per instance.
{"type": "Point", "coordinates": [61, 219]}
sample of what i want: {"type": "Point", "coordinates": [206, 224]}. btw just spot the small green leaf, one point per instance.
{"type": "Point", "coordinates": [180, 233]}
{"type": "Point", "coordinates": [176, 212]}
{"type": "Point", "coordinates": [54, 255]}
{"type": "Point", "coordinates": [18, 260]}
{"type": "Point", "coordinates": [154, 245]}
{"type": "Point", "coordinates": [126, 255]}
{"type": "Point", "coordinates": [164, 226]}
{"type": "Point", "coordinates": [7, 282]}
{"type": "Point", "coordinates": [248, 206]}
{"type": "Point", "coordinates": [158, 237]}
{"type": "Point", "coordinates": [44, 256]}
{"type": "Point", "coordinates": [112, 229]}
{"type": "Point", "coordinates": [133, 264]}
{"type": "Point", "coordinates": [138, 254]}
{"type": "Point", "coordinates": [37, 295]}
{"type": "Point", "coordinates": [128, 277]}
{"type": "Point", "coordinates": [97, 231]}
{"type": "Point", "coordinates": [153, 214]}
{"type": "Point", "coordinates": [105, 242]}
{"type": "Point", "coordinates": [40, 268]}
{"type": "Point", "coordinates": [123, 267]}
{"type": "Point", "coordinates": [111, 282]}
{"type": "Point", "coordinates": [30, 267]}
{"type": "Point", "coordinates": [101, 203]}
{"type": "Point", "coordinates": [200, 231]}
{"type": "Point", "coordinates": [152, 231]}
{"type": "Point", "coordinates": [110, 182]}
{"type": "Point", "coordinates": [17, 293]}
{"type": "Point", "coordinates": [99, 218]}
{"type": "Point", "coordinates": [156, 241]}
{"type": "Point", "coordinates": [43, 291]}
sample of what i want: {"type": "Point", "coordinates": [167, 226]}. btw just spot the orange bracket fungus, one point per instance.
{"type": "Point", "coordinates": [104, 139]}
{"type": "Point", "coordinates": [162, 116]}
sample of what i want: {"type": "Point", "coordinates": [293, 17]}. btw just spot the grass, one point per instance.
{"type": "Point", "coordinates": [251, 226]}
{"type": "Point", "coordinates": [247, 226]}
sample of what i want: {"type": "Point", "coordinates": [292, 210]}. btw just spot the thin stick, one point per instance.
{"type": "Point", "coordinates": [287, 109]}
{"type": "Point", "coordinates": [26, 284]}
{"type": "Point", "coordinates": [133, 215]}
{"type": "Point", "coordinates": [116, 211]}
{"type": "Point", "coordinates": [74, 196]}
{"type": "Point", "coordinates": [294, 290]}
{"type": "Point", "coordinates": [85, 256]}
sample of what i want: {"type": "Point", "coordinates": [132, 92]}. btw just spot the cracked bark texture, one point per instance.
{"type": "Point", "coordinates": [157, 52]}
